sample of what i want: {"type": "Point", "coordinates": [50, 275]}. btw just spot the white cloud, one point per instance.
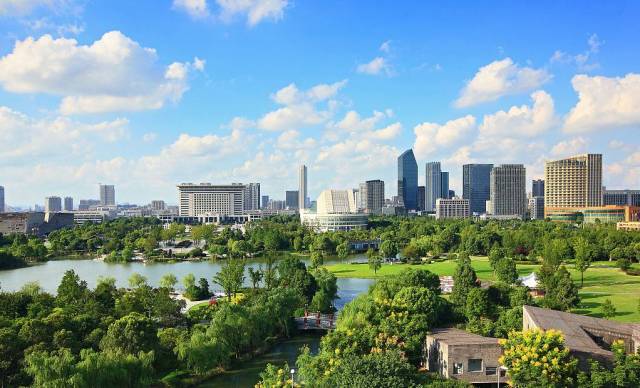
{"type": "Point", "coordinates": [149, 137]}
{"type": "Point", "coordinates": [255, 10]}
{"type": "Point", "coordinates": [432, 136]}
{"type": "Point", "coordinates": [290, 140]}
{"type": "Point", "coordinates": [23, 136]}
{"type": "Point", "coordinates": [604, 103]}
{"type": "Point", "coordinates": [385, 47]}
{"type": "Point", "coordinates": [194, 8]}
{"type": "Point", "coordinates": [528, 121]}
{"type": "Point", "coordinates": [498, 79]}
{"type": "Point", "coordinates": [25, 7]}
{"type": "Point", "coordinates": [583, 60]}
{"type": "Point", "coordinates": [376, 66]}
{"type": "Point", "coordinates": [572, 146]}
{"type": "Point", "coordinates": [77, 72]}
{"type": "Point", "coordinates": [299, 108]}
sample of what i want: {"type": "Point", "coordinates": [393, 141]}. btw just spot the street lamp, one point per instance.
{"type": "Point", "coordinates": [293, 371]}
{"type": "Point", "coordinates": [500, 369]}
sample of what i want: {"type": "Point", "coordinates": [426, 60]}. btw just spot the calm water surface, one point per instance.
{"type": "Point", "coordinates": [49, 274]}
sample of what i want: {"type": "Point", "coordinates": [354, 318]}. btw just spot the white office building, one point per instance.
{"type": "Point", "coordinates": [252, 196]}
{"type": "Point", "coordinates": [507, 191]}
{"type": "Point", "coordinates": [452, 208]}
{"type": "Point", "coordinates": [206, 198]}
{"type": "Point", "coordinates": [302, 187]}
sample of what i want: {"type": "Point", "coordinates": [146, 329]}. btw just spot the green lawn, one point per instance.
{"type": "Point", "coordinates": [603, 280]}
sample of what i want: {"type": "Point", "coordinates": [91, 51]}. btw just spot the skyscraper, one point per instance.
{"type": "Point", "coordinates": [433, 185]}
{"type": "Point", "coordinates": [372, 196]}
{"type": "Point", "coordinates": [265, 202]}
{"type": "Point", "coordinates": [573, 182]}
{"type": "Point", "coordinates": [421, 198]}
{"type": "Point", "coordinates": [302, 187]}
{"type": "Point", "coordinates": [2, 205]}
{"type": "Point", "coordinates": [408, 179]}
{"type": "Point", "coordinates": [252, 196]}
{"type": "Point", "coordinates": [537, 188]}
{"type": "Point", "coordinates": [291, 199]}
{"type": "Point", "coordinates": [444, 185]}
{"type": "Point", "coordinates": [198, 199]}
{"type": "Point", "coordinates": [475, 185]}
{"type": "Point", "coordinates": [68, 204]}
{"type": "Point", "coordinates": [508, 190]}
{"type": "Point", "coordinates": [52, 204]}
{"type": "Point", "coordinates": [107, 195]}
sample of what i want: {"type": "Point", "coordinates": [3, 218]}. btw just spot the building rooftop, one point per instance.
{"type": "Point", "coordinates": [579, 330]}
{"type": "Point", "coordinates": [453, 336]}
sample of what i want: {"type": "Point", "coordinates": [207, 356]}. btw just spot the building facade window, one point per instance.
{"type": "Point", "coordinates": [458, 368]}
{"type": "Point", "coordinates": [475, 365]}
{"type": "Point", "coordinates": [491, 371]}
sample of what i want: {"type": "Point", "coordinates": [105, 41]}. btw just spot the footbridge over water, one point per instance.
{"type": "Point", "coordinates": [316, 321]}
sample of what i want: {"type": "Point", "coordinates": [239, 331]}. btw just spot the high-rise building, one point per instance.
{"type": "Point", "coordinates": [476, 186]}
{"type": "Point", "coordinates": [52, 204]}
{"type": "Point", "coordinates": [433, 185]}
{"type": "Point", "coordinates": [537, 188]}
{"type": "Point", "coordinates": [621, 197]}
{"type": "Point", "coordinates": [452, 193]}
{"type": "Point", "coordinates": [452, 208]}
{"type": "Point", "coordinates": [265, 202]}
{"type": "Point", "coordinates": [421, 198]}
{"type": "Point", "coordinates": [444, 185]}
{"type": "Point", "coordinates": [408, 180]}
{"type": "Point", "coordinates": [291, 199]}
{"type": "Point", "coordinates": [85, 204]}
{"type": "Point", "coordinates": [302, 187]}
{"type": "Point", "coordinates": [573, 182]}
{"type": "Point", "coordinates": [372, 196]}
{"type": "Point", "coordinates": [68, 204]}
{"type": "Point", "coordinates": [536, 208]}
{"type": "Point", "coordinates": [508, 190]}
{"type": "Point", "coordinates": [158, 205]}
{"type": "Point", "coordinates": [198, 199]}
{"type": "Point", "coordinates": [252, 196]}
{"type": "Point", "coordinates": [2, 204]}
{"type": "Point", "coordinates": [107, 195]}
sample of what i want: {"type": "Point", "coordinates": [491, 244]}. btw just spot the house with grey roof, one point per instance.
{"type": "Point", "coordinates": [586, 337]}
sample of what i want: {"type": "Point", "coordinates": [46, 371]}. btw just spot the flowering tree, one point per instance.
{"type": "Point", "coordinates": [537, 358]}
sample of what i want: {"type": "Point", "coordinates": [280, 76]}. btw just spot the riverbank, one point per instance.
{"type": "Point", "coordinates": [602, 281]}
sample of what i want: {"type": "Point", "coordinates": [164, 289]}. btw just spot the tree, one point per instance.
{"type": "Point", "coordinates": [72, 291]}
{"type": "Point", "coordinates": [560, 291]}
{"type": "Point", "coordinates": [537, 358]}
{"type": "Point", "coordinates": [608, 309]}
{"type": "Point", "coordinates": [131, 334]}
{"type": "Point", "coordinates": [583, 256]}
{"type": "Point", "coordinates": [230, 277]}
{"type": "Point", "coordinates": [477, 304]}
{"type": "Point", "coordinates": [556, 252]}
{"type": "Point", "coordinates": [136, 280]}
{"type": "Point", "coordinates": [506, 271]}
{"type": "Point", "coordinates": [298, 244]}
{"type": "Point", "coordinates": [464, 279]}
{"type": "Point", "coordinates": [168, 281]}
{"type": "Point", "coordinates": [256, 276]}
{"type": "Point", "coordinates": [343, 250]}
{"type": "Point", "coordinates": [389, 248]}
{"type": "Point", "coordinates": [375, 263]}
{"type": "Point", "coordinates": [316, 259]}
{"type": "Point", "coordinates": [189, 281]}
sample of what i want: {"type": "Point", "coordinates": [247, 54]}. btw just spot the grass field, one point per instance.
{"type": "Point", "coordinates": [603, 280]}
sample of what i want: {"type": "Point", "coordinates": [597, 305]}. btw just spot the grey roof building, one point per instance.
{"type": "Point", "coordinates": [457, 354]}
{"type": "Point", "coordinates": [588, 338]}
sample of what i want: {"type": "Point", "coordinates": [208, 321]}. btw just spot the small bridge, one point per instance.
{"type": "Point", "coordinates": [316, 321]}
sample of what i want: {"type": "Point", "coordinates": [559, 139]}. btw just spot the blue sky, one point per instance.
{"type": "Point", "coordinates": [147, 94]}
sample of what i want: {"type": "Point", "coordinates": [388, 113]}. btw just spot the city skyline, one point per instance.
{"type": "Point", "coordinates": [228, 97]}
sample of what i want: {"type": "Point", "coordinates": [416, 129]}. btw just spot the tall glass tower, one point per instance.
{"type": "Point", "coordinates": [433, 185]}
{"type": "Point", "coordinates": [475, 186]}
{"type": "Point", "coordinates": [408, 180]}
